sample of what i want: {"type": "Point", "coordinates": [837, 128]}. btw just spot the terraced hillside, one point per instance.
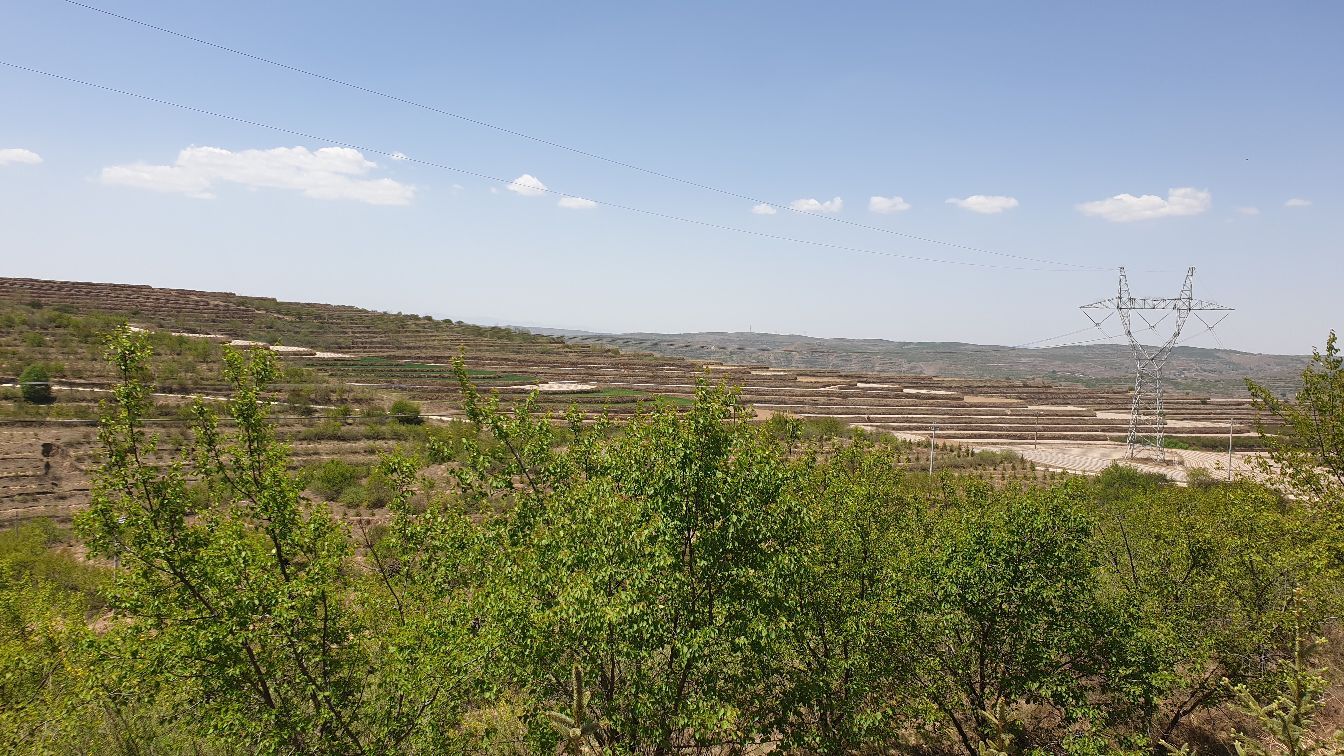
{"type": "Point", "coordinates": [1097, 365]}
{"type": "Point", "coordinates": [345, 366]}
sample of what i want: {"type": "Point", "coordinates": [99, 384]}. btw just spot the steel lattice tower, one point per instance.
{"type": "Point", "coordinates": [1146, 419]}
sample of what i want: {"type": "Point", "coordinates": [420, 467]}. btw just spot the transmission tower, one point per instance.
{"type": "Point", "coordinates": [1146, 420]}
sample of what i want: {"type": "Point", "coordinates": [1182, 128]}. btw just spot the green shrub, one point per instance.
{"type": "Point", "coordinates": [46, 600]}
{"type": "Point", "coordinates": [334, 477]}
{"type": "Point", "coordinates": [965, 458]}
{"type": "Point", "coordinates": [442, 441]}
{"type": "Point", "coordinates": [406, 412]}
{"type": "Point", "coordinates": [1200, 478]}
{"type": "Point", "coordinates": [372, 491]}
{"type": "Point", "coordinates": [35, 384]}
{"type": "Point", "coordinates": [327, 430]}
{"type": "Point", "coordinates": [783, 427]}
{"type": "Point", "coordinates": [32, 553]}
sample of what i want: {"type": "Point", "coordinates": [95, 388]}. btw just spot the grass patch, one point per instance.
{"type": "Point", "coordinates": [1208, 443]}
{"type": "Point", "coordinates": [626, 393]}
{"type": "Point", "coordinates": [623, 392]}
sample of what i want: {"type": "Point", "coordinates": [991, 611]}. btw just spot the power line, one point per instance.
{"type": "Point", "coordinates": [565, 147]}
{"type": "Point", "coordinates": [344, 421]}
{"type": "Point", "coordinates": [1052, 338]}
{"type": "Point", "coordinates": [475, 174]}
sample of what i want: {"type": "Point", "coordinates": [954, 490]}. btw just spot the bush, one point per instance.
{"type": "Point", "coordinates": [332, 478]}
{"type": "Point", "coordinates": [1200, 478]}
{"type": "Point", "coordinates": [374, 492]}
{"type": "Point", "coordinates": [783, 427]}
{"type": "Point", "coordinates": [406, 412]}
{"type": "Point", "coordinates": [300, 401]}
{"type": "Point", "coordinates": [29, 554]}
{"type": "Point", "coordinates": [35, 384]}
{"type": "Point", "coordinates": [327, 430]}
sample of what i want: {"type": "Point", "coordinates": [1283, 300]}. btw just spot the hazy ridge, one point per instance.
{"type": "Point", "coordinates": [1190, 368]}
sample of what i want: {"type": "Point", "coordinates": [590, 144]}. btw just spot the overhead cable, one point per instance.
{"type": "Point", "coordinates": [567, 148]}
{"type": "Point", "coordinates": [396, 155]}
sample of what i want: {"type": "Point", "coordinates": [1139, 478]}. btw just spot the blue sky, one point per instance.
{"type": "Point", "coordinates": [1151, 135]}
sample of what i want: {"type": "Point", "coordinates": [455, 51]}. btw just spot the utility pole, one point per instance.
{"type": "Point", "coordinates": [1229, 449]}
{"type": "Point", "coordinates": [1147, 421]}
{"type": "Point", "coordinates": [932, 438]}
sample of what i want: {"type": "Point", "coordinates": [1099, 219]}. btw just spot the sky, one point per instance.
{"type": "Point", "coordinates": [918, 172]}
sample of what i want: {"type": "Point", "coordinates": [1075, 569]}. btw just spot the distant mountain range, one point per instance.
{"type": "Point", "coordinates": [1220, 371]}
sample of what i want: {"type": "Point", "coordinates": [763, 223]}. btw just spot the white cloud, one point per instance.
{"type": "Point", "coordinates": [764, 209]}
{"type": "Point", "coordinates": [327, 173]}
{"type": "Point", "coordinates": [1248, 210]}
{"type": "Point", "coordinates": [887, 205]}
{"type": "Point", "coordinates": [576, 203]}
{"type": "Point", "coordinates": [527, 185]}
{"type": "Point", "coordinates": [19, 155]}
{"type": "Point", "coordinates": [810, 205]}
{"type": "Point", "coordinates": [1297, 202]}
{"type": "Point", "coordinates": [986, 204]}
{"type": "Point", "coordinates": [1123, 208]}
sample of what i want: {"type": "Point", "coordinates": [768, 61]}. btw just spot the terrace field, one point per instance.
{"type": "Point", "coordinates": [344, 367]}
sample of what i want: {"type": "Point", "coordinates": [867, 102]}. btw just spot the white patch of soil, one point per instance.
{"type": "Point", "coordinates": [558, 387]}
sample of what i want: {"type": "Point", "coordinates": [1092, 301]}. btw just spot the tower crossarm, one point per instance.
{"type": "Point", "coordinates": [1155, 303]}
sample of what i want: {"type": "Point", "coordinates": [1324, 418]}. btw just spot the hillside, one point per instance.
{"type": "Point", "coordinates": [1100, 365]}
{"type": "Point", "coordinates": [344, 367]}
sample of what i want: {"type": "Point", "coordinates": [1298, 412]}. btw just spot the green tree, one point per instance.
{"type": "Point", "coordinates": [1206, 576]}
{"type": "Point", "coordinates": [1306, 449]}
{"type": "Point", "coordinates": [652, 559]}
{"type": "Point", "coordinates": [1289, 718]}
{"type": "Point", "coordinates": [1010, 609]}
{"type": "Point", "coordinates": [241, 614]}
{"type": "Point", "coordinates": [841, 665]}
{"type": "Point", "coordinates": [35, 385]}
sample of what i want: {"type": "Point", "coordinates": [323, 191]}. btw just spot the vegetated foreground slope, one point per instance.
{"type": "Point", "coordinates": [1100, 365]}
{"type": "Point", "coordinates": [692, 581]}
{"type": "Point", "coordinates": [343, 367]}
